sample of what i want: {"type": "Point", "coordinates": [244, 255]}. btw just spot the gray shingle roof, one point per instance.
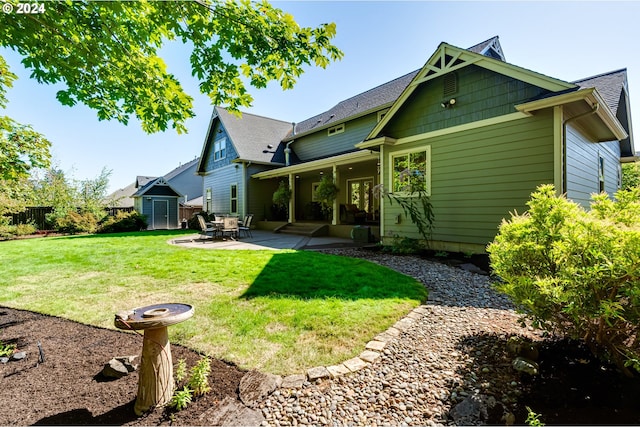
{"type": "Point", "coordinates": [252, 135]}
{"type": "Point", "coordinates": [373, 99]}
{"type": "Point", "coordinates": [494, 43]}
{"type": "Point", "coordinates": [609, 85]}
{"type": "Point", "coordinates": [368, 101]}
{"type": "Point", "coordinates": [177, 171]}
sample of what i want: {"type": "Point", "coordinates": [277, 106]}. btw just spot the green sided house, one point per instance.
{"type": "Point", "coordinates": [481, 133]}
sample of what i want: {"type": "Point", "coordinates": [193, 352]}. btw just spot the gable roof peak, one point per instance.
{"type": "Point", "coordinates": [490, 48]}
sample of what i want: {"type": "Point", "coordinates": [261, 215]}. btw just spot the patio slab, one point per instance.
{"type": "Point", "coordinates": [261, 240]}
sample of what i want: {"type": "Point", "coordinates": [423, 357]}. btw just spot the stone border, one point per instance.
{"type": "Point", "coordinates": [371, 353]}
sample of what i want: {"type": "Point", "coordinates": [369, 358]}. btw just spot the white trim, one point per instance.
{"type": "Point", "coordinates": [361, 179]}
{"type": "Point", "coordinates": [462, 128]}
{"type": "Point", "coordinates": [342, 159]}
{"type": "Point", "coordinates": [231, 198]}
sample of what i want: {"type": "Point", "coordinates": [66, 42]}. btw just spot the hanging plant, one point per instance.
{"type": "Point", "coordinates": [326, 193]}
{"type": "Point", "coordinates": [282, 195]}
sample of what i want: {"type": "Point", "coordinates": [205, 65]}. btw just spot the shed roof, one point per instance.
{"type": "Point", "coordinates": [151, 188]}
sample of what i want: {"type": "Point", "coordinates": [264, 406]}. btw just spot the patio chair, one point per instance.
{"type": "Point", "coordinates": [246, 226]}
{"type": "Point", "coordinates": [230, 227]}
{"type": "Point", "coordinates": [206, 229]}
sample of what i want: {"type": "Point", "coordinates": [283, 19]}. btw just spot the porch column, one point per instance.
{"type": "Point", "coordinates": [336, 202]}
{"type": "Point", "coordinates": [292, 200]}
{"type": "Point", "coordinates": [382, 200]}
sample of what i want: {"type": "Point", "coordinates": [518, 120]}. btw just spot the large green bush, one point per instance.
{"type": "Point", "coordinates": [74, 222]}
{"type": "Point", "coordinates": [123, 222]}
{"type": "Point", "coordinates": [576, 272]}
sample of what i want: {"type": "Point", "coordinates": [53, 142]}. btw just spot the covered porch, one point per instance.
{"type": "Point", "coordinates": [355, 175]}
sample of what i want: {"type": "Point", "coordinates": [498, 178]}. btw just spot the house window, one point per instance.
{"type": "Point", "coordinates": [336, 129]}
{"type": "Point", "coordinates": [382, 113]}
{"type": "Point", "coordinates": [411, 172]}
{"type": "Point", "coordinates": [220, 149]}
{"type": "Point", "coordinates": [601, 174]}
{"type": "Point", "coordinates": [234, 198]}
{"type": "Point", "coordinates": [208, 206]}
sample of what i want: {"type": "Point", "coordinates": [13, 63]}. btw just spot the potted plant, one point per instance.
{"type": "Point", "coordinates": [326, 193]}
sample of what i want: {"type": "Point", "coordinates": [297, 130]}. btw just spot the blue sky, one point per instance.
{"type": "Point", "coordinates": [381, 40]}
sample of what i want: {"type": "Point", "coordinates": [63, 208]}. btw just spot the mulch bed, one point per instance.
{"type": "Point", "coordinates": [68, 387]}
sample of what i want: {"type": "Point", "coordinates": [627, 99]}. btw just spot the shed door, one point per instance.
{"type": "Point", "coordinates": [160, 214]}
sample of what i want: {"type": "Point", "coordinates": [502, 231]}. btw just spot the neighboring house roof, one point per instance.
{"type": "Point", "coordinates": [141, 181]}
{"type": "Point", "coordinates": [148, 188]}
{"type": "Point", "coordinates": [197, 202]}
{"type": "Point", "coordinates": [121, 198]}
{"type": "Point", "coordinates": [180, 169]}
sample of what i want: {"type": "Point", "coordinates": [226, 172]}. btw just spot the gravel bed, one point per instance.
{"type": "Point", "coordinates": [455, 350]}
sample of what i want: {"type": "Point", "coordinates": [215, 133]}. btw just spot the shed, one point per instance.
{"type": "Point", "coordinates": [158, 201]}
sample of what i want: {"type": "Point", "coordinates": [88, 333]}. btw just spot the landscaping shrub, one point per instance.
{"type": "Point", "coordinates": [122, 222]}
{"type": "Point", "coordinates": [575, 272]}
{"type": "Point", "coordinates": [8, 231]}
{"type": "Point", "coordinates": [73, 222]}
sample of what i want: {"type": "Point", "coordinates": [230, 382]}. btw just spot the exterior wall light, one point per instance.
{"type": "Point", "coordinates": [449, 103]}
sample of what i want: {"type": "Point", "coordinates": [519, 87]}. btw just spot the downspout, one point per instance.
{"type": "Point", "coordinates": [594, 109]}
{"type": "Point", "coordinates": [287, 150]}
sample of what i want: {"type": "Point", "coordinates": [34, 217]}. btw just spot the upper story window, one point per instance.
{"type": "Point", "coordinates": [336, 129]}
{"type": "Point", "coordinates": [411, 172]}
{"type": "Point", "coordinates": [220, 149]}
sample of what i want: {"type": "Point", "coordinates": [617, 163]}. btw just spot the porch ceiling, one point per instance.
{"type": "Point", "coordinates": [321, 164]}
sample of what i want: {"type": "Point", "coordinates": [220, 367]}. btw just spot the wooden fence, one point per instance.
{"type": "Point", "coordinates": [37, 215]}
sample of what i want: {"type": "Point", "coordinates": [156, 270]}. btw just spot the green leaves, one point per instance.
{"type": "Point", "coordinates": [21, 149]}
{"type": "Point", "coordinates": [106, 54]}
{"type": "Point", "coordinates": [576, 272]}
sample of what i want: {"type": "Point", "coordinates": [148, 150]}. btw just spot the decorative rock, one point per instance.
{"type": "Point", "coordinates": [4, 360]}
{"type": "Point", "coordinates": [293, 381]}
{"type": "Point", "coordinates": [231, 413]}
{"type": "Point", "coordinates": [338, 370]}
{"type": "Point", "coordinates": [375, 345]}
{"type": "Point", "coordinates": [317, 373]}
{"type": "Point", "coordinates": [472, 268]}
{"type": "Point", "coordinates": [519, 346]}
{"type": "Point", "coordinates": [115, 368]}
{"type": "Point", "coordinates": [127, 361]}
{"type": "Point", "coordinates": [255, 386]}
{"type": "Point", "coordinates": [477, 408]}
{"type": "Point", "coordinates": [403, 324]}
{"type": "Point", "coordinates": [369, 356]}
{"type": "Point", "coordinates": [527, 366]}
{"type": "Point", "coordinates": [355, 364]}
{"type": "Point", "coordinates": [19, 355]}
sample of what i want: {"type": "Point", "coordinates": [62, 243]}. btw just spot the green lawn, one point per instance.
{"type": "Point", "coordinates": [276, 311]}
